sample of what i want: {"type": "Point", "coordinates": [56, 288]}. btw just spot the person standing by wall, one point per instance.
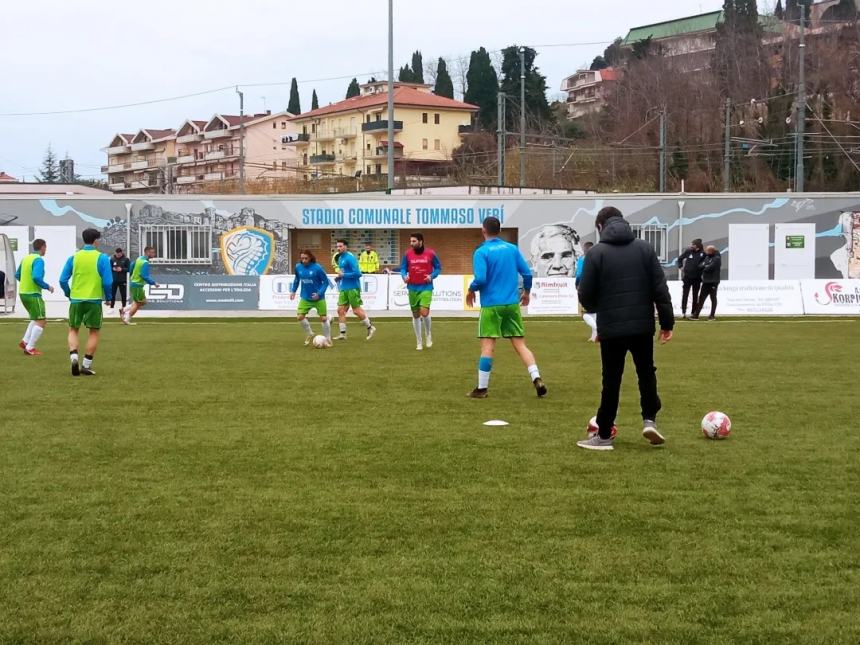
{"type": "Point", "coordinates": [711, 265]}
{"type": "Point", "coordinates": [622, 282]}
{"type": "Point", "coordinates": [120, 265]}
{"type": "Point", "coordinates": [368, 260]}
{"type": "Point", "coordinates": [691, 274]}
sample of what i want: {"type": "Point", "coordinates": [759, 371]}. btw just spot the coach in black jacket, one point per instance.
{"type": "Point", "coordinates": [622, 281]}
{"type": "Point", "coordinates": [711, 266]}
{"type": "Point", "coordinates": [691, 274]}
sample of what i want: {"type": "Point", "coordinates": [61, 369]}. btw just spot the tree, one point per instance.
{"type": "Point", "coordinates": [405, 75]}
{"type": "Point", "coordinates": [315, 104]}
{"type": "Point", "coordinates": [778, 11]}
{"type": "Point", "coordinates": [536, 107]}
{"type": "Point", "coordinates": [679, 167]}
{"type": "Point", "coordinates": [482, 87]}
{"type": "Point", "coordinates": [50, 171]}
{"type": "Point", "coordinates": [738, 56]}
{"type": "Point", "coordinates": [598, 63]}
{"type": "Point", "coordinates": [295, 104]}
{"type": "Point", "coordinates": [793, 8]}
{"type": "Point", "coordinates": [417, 67]}
{"type": "Point", "coordinates": [614, 54]}
{"type": "Point", "coordinates": [641, 49]}
{"type": "Point", "coordinates": [444, 84]}
{"type": "Point", "coordinates": [353, 89]}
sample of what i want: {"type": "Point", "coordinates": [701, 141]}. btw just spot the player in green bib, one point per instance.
{"type": "Point", "coordinates": [31, 276]}
{"type": "Point", "coordinates": [139, 279]}
{"type": "Point", "coordinates": [91, 281]}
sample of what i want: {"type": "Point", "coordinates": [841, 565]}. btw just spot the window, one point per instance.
{"type": "Point", "coordinates": [313, 127]}
{"type": "Point", "coordinates": [283, 165]}
{"type": "Point", "coordinates": [424, 117]}
{"type": "Point", "coordinates": [274, 126]}
{"type": "Point", "coordinates": [379, 169]}
{"type": "Point", "coordinates": [656, 235]}
{"type": "Point", "coordinates": [178, 244]}
{"type": "Point", "coordinates": [437, 144]}
{"type": "Point", "coordinates": [283, 125]}
{"type": "Point", "coordinates": [424, 144]}
{"type": "Point", "coordinates": [368, 149]}
{"type": "Point", "coordinates": [436, 119]}
{"type": "Point", "coordinates": [368, 170]}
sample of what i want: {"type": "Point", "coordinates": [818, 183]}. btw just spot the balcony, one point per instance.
{"type": "Point", "coordinates": [381, 152]}
{"type": "Point", "coordinates": [466, 129]}
{"type": "Point", "coordinates": [118, 167]}
{"type": "Point", "coordinates": [118, 150]}
{"type": "Point", "coordinates": [104, 170]}
{"type": "Point", "coordinates": [295, 139]}
{"type": "Point", "coordinates": [146, 145]}
{"type": "Point", "coordinates": [321, 160]}
{"type": "Point", "coordinates": [139, 165]}
{"type": "Point", "coordinates": [213, 176]}
{"type": "Point", "coordinates": [186, 179]}
{"type": "Point", "coordinates": [185, 159]}
{"type": "Point", "coordinates": [117, 186]}
{"type": "Point", "coordinates": [345, 133]}
{"type": "Point", "coordinates": [215, 154]}
{"type": "Point", "coordinates": [380, 127]}
{"type": "Point", "coordinates": [189, 138]}
{"type": "Point", "coordinates": [217, 134]}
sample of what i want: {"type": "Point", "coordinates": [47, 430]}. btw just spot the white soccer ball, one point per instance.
{"type": "Point", "coordinates": [716, 425]}
{"type": "Point", "coordinates": [320, 341]}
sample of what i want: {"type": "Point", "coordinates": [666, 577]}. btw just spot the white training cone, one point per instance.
{"type": "Point", "coordinates": [496, 422]}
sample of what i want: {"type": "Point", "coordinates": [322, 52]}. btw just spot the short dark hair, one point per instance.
{"type": "Point", "coordinates": [587, 245]}
{"type": "Point", "coordinates": [38, 244]}
{"type": "Point", "coordinates": [148, 248]}
{"type": "Point", "coordinates": [344, 242]}
{"type": "Point", "coordinates": [309, 254]}
{"type": "Point", "coordinates": [118, 250]}
{"type": "Point", "coordinates": [90, 235]}
{"type": "Point", "coordinates": [492, 225]}
{"type": "Point", "coordinates": [417, 236]}
{"type": "Point", "coordinates": [697, 242]}
{"type": "Point", "coordinates": [606, 213]}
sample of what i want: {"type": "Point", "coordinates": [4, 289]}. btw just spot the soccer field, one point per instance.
{"type": "Point", "coordinates": [220, 482]}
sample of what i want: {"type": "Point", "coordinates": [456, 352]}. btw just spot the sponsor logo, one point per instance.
{"type": "Point", "coordinates": [835, 294]}
{"type": "Point", "coordinates": [281, 286]}
{"type": "Point", "coordinates": [247, 250]}
{"type": "Point", "coordinates": [166, 293]}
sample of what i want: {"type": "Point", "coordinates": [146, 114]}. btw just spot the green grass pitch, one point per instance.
{"type": "Point", "coordinates": [218, 482]}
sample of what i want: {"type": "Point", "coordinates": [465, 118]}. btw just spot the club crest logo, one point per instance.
{"type": "Point", "coordinates": [247, 251]}
{"type": "Point", "coordinates": [831, 289]}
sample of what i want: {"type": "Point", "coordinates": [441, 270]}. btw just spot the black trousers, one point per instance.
{"type": "Point", "coordinates": [709, 290]}
{"type": "Point", "coordinates": [613, 353]}
{"type": "Point", "coordinates": [685, 294]}
{"type": "Point", "coordinates": [121, 287]}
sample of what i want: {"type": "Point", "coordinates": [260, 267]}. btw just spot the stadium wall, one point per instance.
{"type": "Point", "coordinates": [256, 235]}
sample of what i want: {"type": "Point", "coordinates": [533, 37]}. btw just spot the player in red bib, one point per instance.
{"type": "Point", "coordinates": [419, 267]}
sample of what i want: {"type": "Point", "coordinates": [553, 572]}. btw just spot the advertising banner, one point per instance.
{"type": "Point", "coordinates": [837, 297]}
{"type": "Point", "coordinates": [554, 296]}
{"type": "Point", "coordinates": [449, 293]}
{"type": "Point", "coordinates": [275, 293]}
{"type": "Point", "coordinates": [193, 292]}
{"type": "Point", "coordinates": [749, 298]}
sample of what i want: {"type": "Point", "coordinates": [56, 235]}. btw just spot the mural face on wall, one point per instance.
{"type": "Point", "coordinates": [554, 251]}
{"type": "Point", "coordinates": [846, 259]}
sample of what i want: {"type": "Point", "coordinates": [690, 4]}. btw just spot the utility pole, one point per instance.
{"type": "Point", "coordinates": [241, 140]}
{"type": "Point", "coordinates": [522, 117]}
{"type": "Point", "coordinates": [727, 151]}
{"type": "Point", "coordinates": [390, 95]}
{"type": "Point", "coordinates": [663, 150]}
{"type": "Point", "coordinates": [501, 138]}
{"type": "Point", "coordinates": [800, 171]}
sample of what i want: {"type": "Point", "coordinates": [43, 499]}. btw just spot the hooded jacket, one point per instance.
{"type": "Point", "coordinates": [622, 281]}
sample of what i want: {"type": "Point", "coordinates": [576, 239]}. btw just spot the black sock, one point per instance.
{"type": "Point", "coordinates": [89, 357]}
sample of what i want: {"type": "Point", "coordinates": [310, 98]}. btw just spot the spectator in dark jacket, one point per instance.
{"type": "Point", "coordinates": [622, 281]}
{"type": "Point", "coordinates": [711, 265]}
{"type": "Point", "coordinates": [691, 274]}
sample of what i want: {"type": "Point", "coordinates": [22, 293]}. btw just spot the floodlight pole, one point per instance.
{"type": "Point", "coordinates": [390, 95]}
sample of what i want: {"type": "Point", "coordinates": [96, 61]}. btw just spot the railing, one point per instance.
{"type": "Point", "coordinates": [380, 126]}
{"type": "Point", "coordinates": [295, 139]}
{"type": "Point", "coordinates": [321, 159]}
{"type": "Point", "coordinates": [345, 133]}
{"type": "Point", "coordinates": [215, 134]}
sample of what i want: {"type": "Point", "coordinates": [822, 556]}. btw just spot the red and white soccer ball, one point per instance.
{"type": "Point", "coordinates": [320, 342]}
{"type": "Point", "coordinates": [593, 428]}
{"type": "Point", "coordinates": [716, 425]}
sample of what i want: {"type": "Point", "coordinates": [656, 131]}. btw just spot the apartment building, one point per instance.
{"type": "Point", "coordinates": [350, 137]}
{"type": "Point", "coordinates": [198, 152]}
{"type": "Point", "coordinates": [587, 90]}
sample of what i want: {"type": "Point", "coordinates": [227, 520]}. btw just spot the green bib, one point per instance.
{"type": "Point", "coordinates": [86, 280]}
{"type": "Point", "coordinates": [137, 273]}
{"type": "Point", "coordinates": [28, 285]}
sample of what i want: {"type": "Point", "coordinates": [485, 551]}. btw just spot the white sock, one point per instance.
{"type": "Point", "coordinates": [73, 356]}
{"type": "Point", "coordinates": [34, 336]}
{"type": "Point", "coordinates": [326, 329]}
{"type": "Point", "coordinates": [416, 327]}
{"type": "Point", "coordinates": [306, 325]}
{"type": "Point", "coordinates": [367, 322]}
{"type": "Point", "coordinates": [426, 320]}
{"type": "Point", "coordinates": [342, 327]}
{"type": "Point", "coordinates": [483, 380]}
{"type": "Point", "coordinates": [27, 333]}
{"type": "Point", "coordinates": [88, 363]}
{"type": "Point", "coordinates": [533, 372]}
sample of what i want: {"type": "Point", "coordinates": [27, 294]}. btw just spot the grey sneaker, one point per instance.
{"type": "Point", "coordinates": [596, 443]}
{"type": "Point", "coordinates": [649, 431]}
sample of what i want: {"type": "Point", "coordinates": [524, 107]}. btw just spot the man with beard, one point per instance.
{"type": "Point", "coordinates": [419, 267]}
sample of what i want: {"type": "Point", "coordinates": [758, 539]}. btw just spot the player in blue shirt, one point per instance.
{"type": "Point", "coordinates": [349, 283]}
{"type": "Point", "coordinates": [589, 318]}
{"type": "Point", "coordinates": [31, 276]}
{"type": "Point", "coordinates": [497, 266]}
{"type": "Point", "coordinates": [314, 282]}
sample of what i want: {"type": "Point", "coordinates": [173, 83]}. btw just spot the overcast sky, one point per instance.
{"type": "Point", "coordinates": [61, 55]}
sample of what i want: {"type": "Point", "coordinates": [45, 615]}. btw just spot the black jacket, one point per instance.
{"type": "Point", "coordinates": [689, 262]}
{"type": "Point", "coordinates": [119, 269]}
{"type": "Point", "coordinates": [622, 281]}
{"type": "Point", "coordinates": [711, 265]}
